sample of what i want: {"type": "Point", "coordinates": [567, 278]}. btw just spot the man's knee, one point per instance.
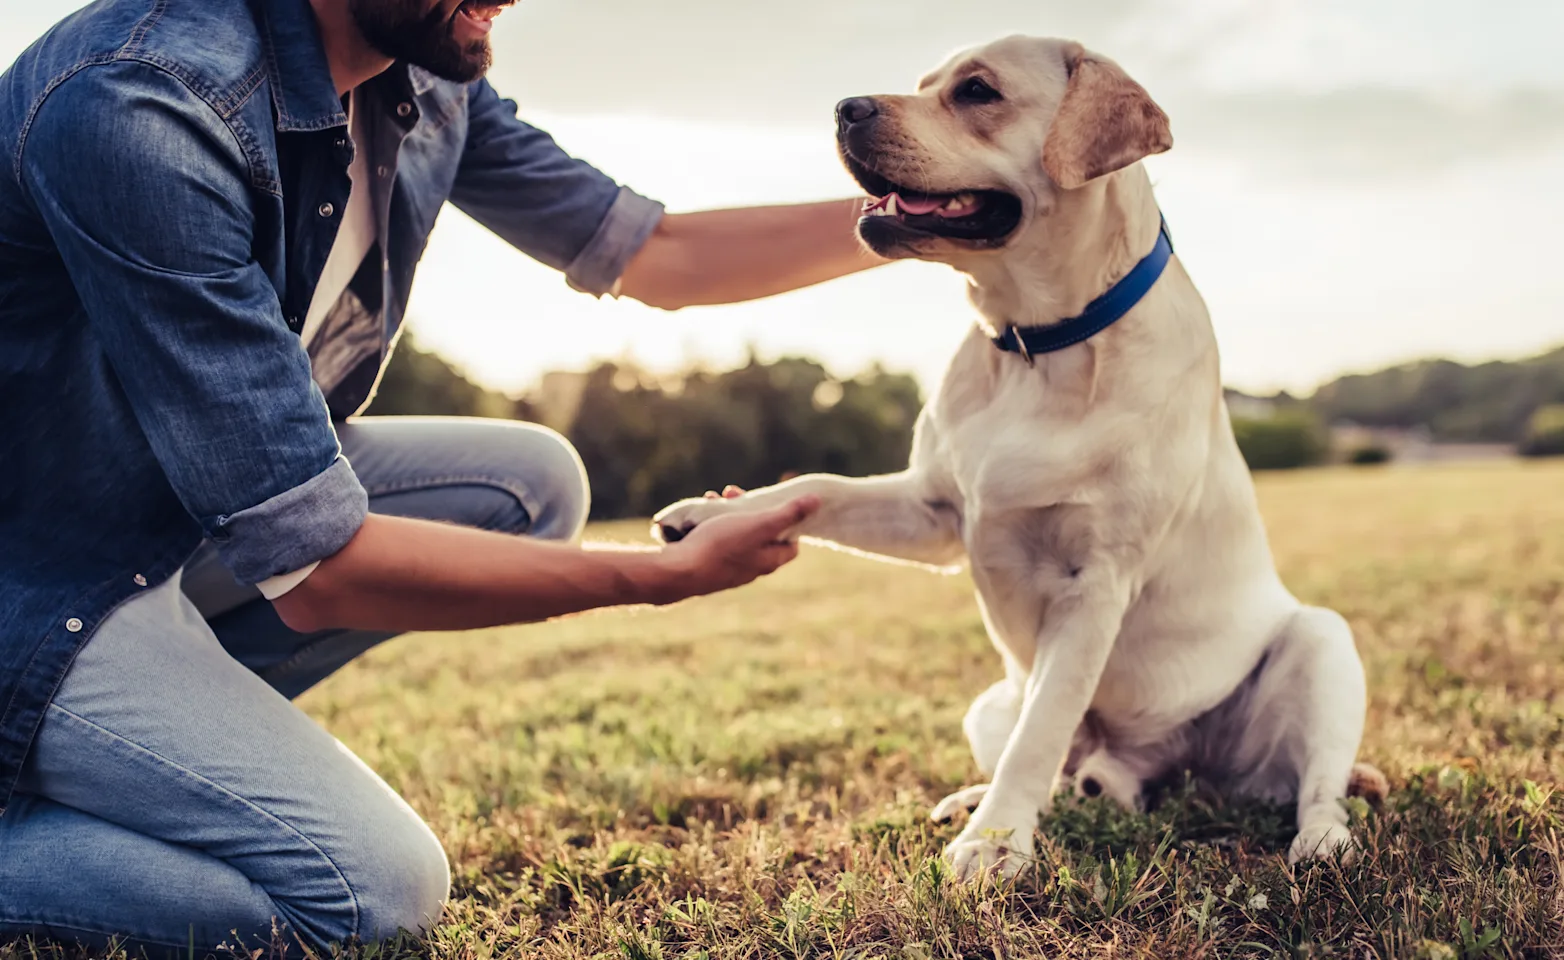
{"type": "Point", "coordinates": [556, 482]}
{"type": "Point", "coordinates": [401, 886]}
{"type": "Point", "coordinates": [492, 474]}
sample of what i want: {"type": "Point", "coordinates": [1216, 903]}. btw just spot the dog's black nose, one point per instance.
{"type": "Point", "coordinates": [672, 534]}
{"type": "Point", "coordinates": [855, 110]}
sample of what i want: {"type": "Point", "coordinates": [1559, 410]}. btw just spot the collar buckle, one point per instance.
{"type": "Point", "coordinates": [1022, 348]}
{"type": "Point", "coordinates": [1101, 313]}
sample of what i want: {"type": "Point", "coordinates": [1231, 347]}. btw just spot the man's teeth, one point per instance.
{"type": "Point", "coordinates": [482, 11]}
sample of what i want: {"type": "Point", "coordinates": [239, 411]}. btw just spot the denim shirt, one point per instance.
{"type": "Point", "coordinates": [172, 175]}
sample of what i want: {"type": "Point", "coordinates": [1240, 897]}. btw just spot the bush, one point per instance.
{"type": "Point", "coordinates": [419, 383]}
{"type": "Point", "coordinates": [1284, 442]}
{"type": "Point", "coordinates": [1545, 433]}
{"type": "Point", "coordinates": [1371, 455]}
{"type": "Point", "coordinates": [647, 441]}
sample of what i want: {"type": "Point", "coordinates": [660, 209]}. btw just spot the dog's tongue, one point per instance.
{"type": "Point", "coordinates": [918, 206]}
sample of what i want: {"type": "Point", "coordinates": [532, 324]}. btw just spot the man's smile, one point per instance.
{"type": "Point", "coordinates": [477, 16]}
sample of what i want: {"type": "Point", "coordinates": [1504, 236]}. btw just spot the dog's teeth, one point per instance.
{"type": "Point", "coordinates": [890, 205]}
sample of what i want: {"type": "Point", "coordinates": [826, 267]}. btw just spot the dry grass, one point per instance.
{"type": "Point", "coordinates": [749, 775]}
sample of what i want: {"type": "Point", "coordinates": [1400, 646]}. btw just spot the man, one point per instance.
{"type": "Point", "coordinates": [210, 214]}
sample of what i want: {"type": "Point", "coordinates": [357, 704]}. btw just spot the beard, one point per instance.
{"type": "Point", "coordinates": [404, 30]}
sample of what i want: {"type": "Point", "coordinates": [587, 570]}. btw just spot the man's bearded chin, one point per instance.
{"type": "Point", "coordinates": [404, 30]}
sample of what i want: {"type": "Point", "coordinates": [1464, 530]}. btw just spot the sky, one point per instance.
{"type": "Point", "coordinates": [1354, 183]}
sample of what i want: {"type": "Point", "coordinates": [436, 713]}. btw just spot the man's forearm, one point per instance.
{"type": "Point", "coordinates": [400, 575]}
{"type": "Point", "coordinates": [729, 256]}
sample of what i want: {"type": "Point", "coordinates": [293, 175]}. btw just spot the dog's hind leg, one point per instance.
{"type": "Point", "coordinates": [1303, 727]}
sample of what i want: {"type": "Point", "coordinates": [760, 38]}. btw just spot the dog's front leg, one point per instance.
{"type": "Point", "coordinates": [1073, 645]}
{"type": "Point", "coordinates": [902, 516]}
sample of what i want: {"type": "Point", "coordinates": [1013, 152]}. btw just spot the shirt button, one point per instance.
{"type": "Point", "coordinates": [140, 580]}
{"type": "Point", "coordinates": [73, 625]}
{"type": "Point", "coordinates": [326, 210]}
{"type": "Point", "coordinates": [404, 109]}
{"type": "Point", "coordinates": [382, 171]}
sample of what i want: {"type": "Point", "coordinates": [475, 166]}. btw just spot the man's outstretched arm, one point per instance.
{"type": "Point", "coordinates": [566, 213]}
{"type": "Point", "coordinates": [729, 256]}
{"type": "Point", "coordinates": [399, 574]}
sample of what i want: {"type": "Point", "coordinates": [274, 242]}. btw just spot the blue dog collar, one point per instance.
{"type": "Point", "coordinates": [1100, 314]}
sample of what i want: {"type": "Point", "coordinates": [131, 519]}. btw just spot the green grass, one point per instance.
{"type": "Point", "coordinates": [749, 775]}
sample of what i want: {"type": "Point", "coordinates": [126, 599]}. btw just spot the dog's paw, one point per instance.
{"type": "Point", "coordinates": [966, 799]}
{"type": "Point", "coordinates": [1323, 842]}
{"type": "Point", "coordinates": [673, 523]}
{"type": "Point", "coordinates": [989, 848]}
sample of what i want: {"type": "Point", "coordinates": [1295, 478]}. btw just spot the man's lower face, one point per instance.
{"type": "Point", "coordinates": [449, 38]}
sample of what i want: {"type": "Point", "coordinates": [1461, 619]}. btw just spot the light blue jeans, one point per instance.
{"type": "Point", "coordinates": [174, 795]}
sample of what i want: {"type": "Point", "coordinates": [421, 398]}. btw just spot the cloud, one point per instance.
{"type": "Point", "coordinates": [1367, 132]}
{"type": "Point", "coordinates": [1327, 89]}
{"type": "Point", "coordinates": [759, 63]}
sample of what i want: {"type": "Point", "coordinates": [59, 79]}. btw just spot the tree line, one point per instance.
{"type": "Point", "coordinates": [649, 440]}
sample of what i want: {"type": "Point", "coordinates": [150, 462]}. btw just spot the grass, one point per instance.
{"type": "Point", "coordinates": [749, 775]}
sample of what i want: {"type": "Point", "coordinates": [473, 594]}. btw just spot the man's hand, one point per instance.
{"type": "Point", "coordinates": [399, 574]}
{"type": "Point", "coordinates": [733, 550]}
{"type": "Point", "coordinates": [729, 256]}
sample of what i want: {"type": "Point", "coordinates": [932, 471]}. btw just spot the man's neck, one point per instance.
{"type": "Point", "coordinates": [350, 56]}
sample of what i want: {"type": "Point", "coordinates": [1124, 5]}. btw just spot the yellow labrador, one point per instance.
{"type": "Point", "coordinates": [1110, 521]}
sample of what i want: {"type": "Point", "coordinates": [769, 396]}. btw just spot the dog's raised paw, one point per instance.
{"type": "Point", "coordinates": [675, 521]}
{"type": "Point", "coordinates": [965, 799]}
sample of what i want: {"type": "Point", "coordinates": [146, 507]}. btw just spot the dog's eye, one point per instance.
{"type": "Point", "coordinates": [975, 90]}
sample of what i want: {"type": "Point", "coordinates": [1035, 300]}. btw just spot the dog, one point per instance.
{"type": "Point", "coordinates": [1089, 475]}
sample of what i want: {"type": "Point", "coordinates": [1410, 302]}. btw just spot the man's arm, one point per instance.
{"type": "Point", "coordinates": [149, 200]}
{"type": "Point", "coordinates": [729, 256]}
{"type": "Point", "coordinates": [399, 574]}
{"type": "Point", "coordinates": [564, 212]}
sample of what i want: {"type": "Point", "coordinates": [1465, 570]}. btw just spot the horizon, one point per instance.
{"type": "Point", "coordinates": [1353, 186]}
{"type": "Point", "coordinates": [838, 374]}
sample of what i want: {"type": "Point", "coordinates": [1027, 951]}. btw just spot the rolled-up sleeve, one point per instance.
{"type": "Point", "coordinates": [515, 180]}
{"type": "Point", "coordinates": [150, 202]}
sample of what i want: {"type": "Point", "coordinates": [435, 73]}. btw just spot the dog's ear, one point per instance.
{"type": "Point", "coordinates": [1105, 122]}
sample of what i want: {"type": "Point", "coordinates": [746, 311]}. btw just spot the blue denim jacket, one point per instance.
{"type": "Point", "coordinates": [171, 177]}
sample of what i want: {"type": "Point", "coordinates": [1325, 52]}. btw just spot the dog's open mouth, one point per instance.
{"type": "Point", "coordinates": [980, 217]}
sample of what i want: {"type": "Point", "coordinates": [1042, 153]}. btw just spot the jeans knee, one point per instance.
{"type": "Point", "coordinates": [557, 483]}
{"type": "Point", "coordinates": [403, 885]}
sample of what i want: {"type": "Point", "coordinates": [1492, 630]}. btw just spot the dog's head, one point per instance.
{"type": "Point", "coordinates": [989, 141]}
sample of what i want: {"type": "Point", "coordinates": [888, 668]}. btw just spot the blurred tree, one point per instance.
{"type": "Point", "coordinates": [646, 444]}
{"type": "Point", "coordinates": [417, 382]}
{"type": "Point", "coordinates": [1370, 455]}
{"type": "Point", "coordinates": [1545, 434]}
{"type": "Point", "coordinates": [1283, 442]}
{"type": "Point", "coordinates": [1487, 403]}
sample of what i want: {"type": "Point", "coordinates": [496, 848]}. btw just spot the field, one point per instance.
{"type": "Point", "coordinates": [749, 775]}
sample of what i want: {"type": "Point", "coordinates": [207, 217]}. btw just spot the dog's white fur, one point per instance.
{"type": "Point", "coordinates": [1111, 524]}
